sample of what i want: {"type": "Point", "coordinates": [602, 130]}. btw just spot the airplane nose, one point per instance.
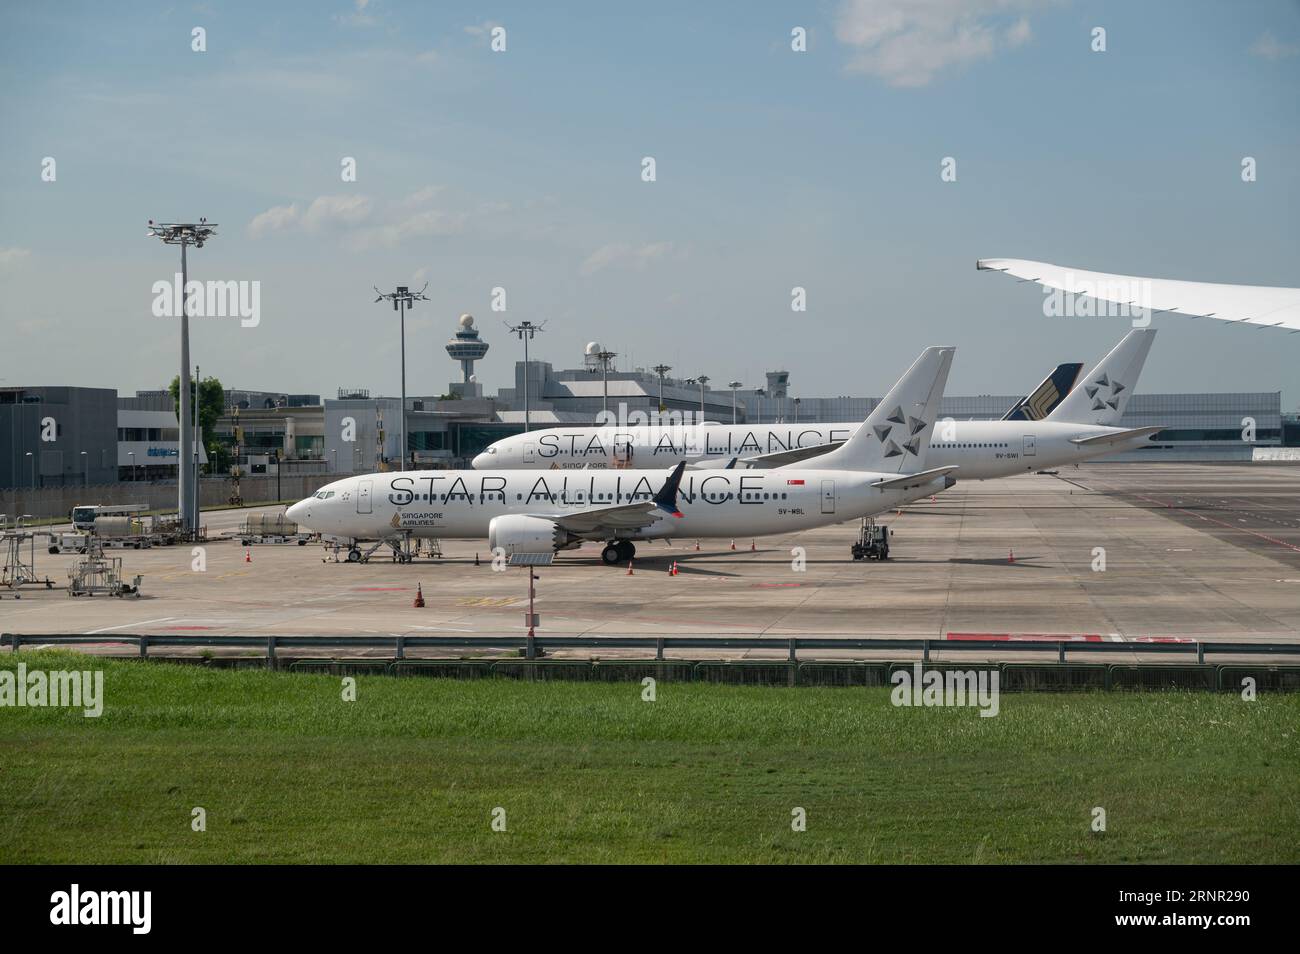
{"type": "Point", "coordinates": [296, 512]}
{"type": "Point", "coordinates": [480, 462]}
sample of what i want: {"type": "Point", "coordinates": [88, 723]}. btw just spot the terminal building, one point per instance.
{"type": "Point", "coordinates": [60, 436]}
{"type": "Point", "coordinates": [148, 437]}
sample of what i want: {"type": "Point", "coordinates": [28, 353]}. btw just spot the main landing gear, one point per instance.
{"type": "Point", "coordinates": [619, 551]}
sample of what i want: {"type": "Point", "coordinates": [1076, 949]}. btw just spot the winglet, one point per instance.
{"type": "Point", "coordinates": [666, 499]}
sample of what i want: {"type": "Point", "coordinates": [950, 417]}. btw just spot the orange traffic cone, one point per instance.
{"type": "Point", "coordinates": [629, 567]}
{"type": "Point", "coordinates": [1011, 556]}
{"type": "Point", "coordinates": [419, 596]}
{"type": "Point", "coordinates": [752, 548]}
{"type": "Point", "coordinates": [733, 544]}
{"type": "Point", "coordinates": [697, 544]}
{"type": "Point", "coordinates": [248, 555]}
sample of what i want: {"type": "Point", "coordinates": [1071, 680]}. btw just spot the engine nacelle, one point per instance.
{"type": "Point", "coordinates": [519, 533]}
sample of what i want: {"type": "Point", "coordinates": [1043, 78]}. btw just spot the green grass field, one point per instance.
{"type": "Point", "coordinates": [412, 770]}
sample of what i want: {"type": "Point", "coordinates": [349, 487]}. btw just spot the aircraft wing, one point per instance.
{"type": "Point", "coordinates": [633, 516]}
{"type": "Point", "coordinates": [628, 516]}
{"type": "Point", "coordinates": [1117, 437]}
{"type": "Point", "coordinates": [904, 481]}
{"type": "Point", "coordinates": [1267, 307]}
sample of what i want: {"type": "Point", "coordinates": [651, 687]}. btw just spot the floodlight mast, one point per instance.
{"type": "Point", "coordinates": [185, 234]}
{"type": "Point", "coordinates": [604, 359]}
{"type": "Point", "coordinates": [733, 385]}
{"type": "Point", "coordinates": [661, 370]}
{"type": "Point", "coordinates": [526, 330]}
{"type": "Point", "coordinates": [402, 299]}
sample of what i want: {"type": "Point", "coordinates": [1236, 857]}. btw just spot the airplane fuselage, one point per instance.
{"type": "Point", "coordinates": [714, 503]}
{"type": "Point", "coordinates": [982, 449]}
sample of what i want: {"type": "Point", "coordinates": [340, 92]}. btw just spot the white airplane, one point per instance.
{"type": "Point", "coordinates": [881, 466]}
{"type": "Point", "coordinates": [1080, 427]}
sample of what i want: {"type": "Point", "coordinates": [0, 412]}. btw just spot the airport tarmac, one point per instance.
{"type": "Point", "coordinates": [1190, 551]}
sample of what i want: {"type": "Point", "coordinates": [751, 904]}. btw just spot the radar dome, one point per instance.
{"type": "Point", "coordinates": [467, 321]}
{"type": "Point", "coordinates": [593, 347]}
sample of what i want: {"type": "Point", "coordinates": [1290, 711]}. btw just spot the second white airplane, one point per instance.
{"type": "Point", "coordinates": [1083, 426]}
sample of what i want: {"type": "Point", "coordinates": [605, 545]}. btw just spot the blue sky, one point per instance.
{"type": "Point", "coordinates": [521, 169]}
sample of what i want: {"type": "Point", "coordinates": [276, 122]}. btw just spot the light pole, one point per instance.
{"type": "Point", "coordinates": [661, 370]}
{"type": "Point", "coordinates": [525, 330]}
{"type": "Point", "coordinates": [733, 385]}
{"type": "Point", "coordinates": [603, 358]}
{"type": "Point", "coordinates": [185, 234]}
{"type": "Point", "coordinates": [402, 299]}
{"type": "Point", "coordinates": [703, 379]}
{"type": "Point", "coordinates": [33, 457]}
{"type": "Point", "coordinates": [336, 460]}
{"type": "Point", "coordinates": [198, 444]}
{"type": "Point", "coordinates": [134, 478]}
{"type": "Point", "coordinates": [85, 469]}
{"type": "Point", "coordinates": [796, 410]}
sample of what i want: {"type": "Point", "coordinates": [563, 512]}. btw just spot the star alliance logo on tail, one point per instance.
{"type": "Point", "coordinates": [1104, 401]}
{"type": "Point", "coordinates": [915, 426]}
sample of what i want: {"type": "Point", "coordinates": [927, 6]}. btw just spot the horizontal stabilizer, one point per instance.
{"type": "Point", "coordinates": [919, 479]}
{"type": "Point", "coordinates": [1117, 437]}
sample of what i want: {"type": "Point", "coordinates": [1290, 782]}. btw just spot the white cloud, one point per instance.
{"type": "Point", "coordinates": [624, 254]}
{"type": "Point", "coordinates": [430, 222]}
{"type": "Point", "coordinates": [358, 16]}
{"type": "Point", "coordinates": [420, 196]}
{"type": "Point", "coordinates": [328, 211]}
{"type": "Point", "coordinates": [1271, 48]}
{"type": "Point", "coordinates": [908, 42]}
{"type": "Point", "coordinates": [325, 212]}
{"type": "Point", "coordinates": [13, 255]}
{"type": "Point", "coordinates": [273, 220]}
{"type": "Point", "coordinates": [481, 29]}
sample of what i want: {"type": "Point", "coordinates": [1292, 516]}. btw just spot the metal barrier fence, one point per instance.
{"type": "Point", "coordinates": [531, 646]}
{"type": "Point", "coordinates": [1050, 675]}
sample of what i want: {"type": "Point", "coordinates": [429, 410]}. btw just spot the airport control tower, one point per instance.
{"type": "Point", "coordinates": [467, 348]}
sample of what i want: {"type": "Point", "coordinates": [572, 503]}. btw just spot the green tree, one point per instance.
{"type": "Point", "coordinates": [211, 404]}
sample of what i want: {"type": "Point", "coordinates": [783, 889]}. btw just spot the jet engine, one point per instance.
{"type": "Point", "coordinates": [519, 533]}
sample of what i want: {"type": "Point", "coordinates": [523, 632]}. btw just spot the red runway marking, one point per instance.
{"type": "Point", "coordinates": [1031, 637]}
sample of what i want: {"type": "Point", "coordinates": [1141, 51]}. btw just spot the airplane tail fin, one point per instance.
{"type": "Point", "coordinates": [1044, 399]}
{"type": "Point", "coordinates": [896, 434]}
{"type": "Point", "coordinates": [1102, 395]}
